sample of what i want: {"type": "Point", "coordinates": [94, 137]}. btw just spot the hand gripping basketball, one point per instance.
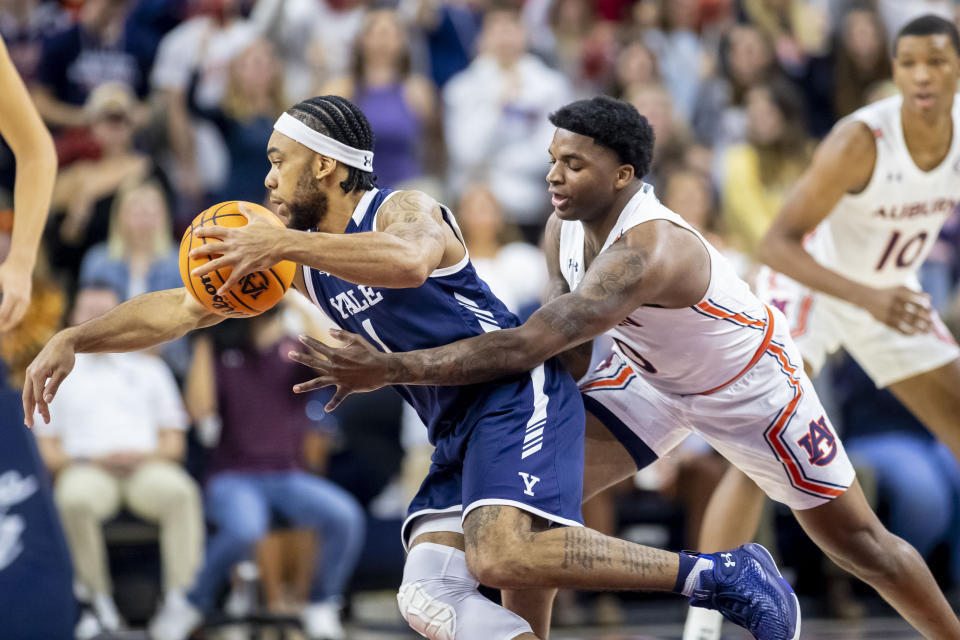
{"type": "Point", "coordinates": [228, 259]}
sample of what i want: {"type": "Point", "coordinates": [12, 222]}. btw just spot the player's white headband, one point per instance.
{"type": "Point", "coordinates": [324, 145]}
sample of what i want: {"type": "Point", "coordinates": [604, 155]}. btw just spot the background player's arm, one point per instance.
{"type": "Point", "coordinates": [32, 145]}
{"type": "Point", "coordinates": [654, 263]}
{"type": "Point", "coordinates": [138, 323]}
{"type": "Point", "coordinates": [577, 359]}
{"type": "Point", "coordinates": [409, 244]}
{"type": "Point", "coordinates": [843, 164]}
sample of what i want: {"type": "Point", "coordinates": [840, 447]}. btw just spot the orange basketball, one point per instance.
{"type": "Point", "coordinates": [256, 292]}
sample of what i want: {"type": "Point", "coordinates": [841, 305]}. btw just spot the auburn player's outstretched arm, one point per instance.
{"type": "Point", "coordinates": [654, 263]}
{"type": "Point", "coordinates": [576, 359]}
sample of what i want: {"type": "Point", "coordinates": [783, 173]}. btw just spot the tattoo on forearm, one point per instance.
{"type": "Point", "coordinates": [611, 287]}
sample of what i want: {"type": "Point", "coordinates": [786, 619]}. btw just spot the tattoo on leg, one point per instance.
{"type": "Point", "coordinates": [585, 549]}
{"type": "Point", "coordinates": [477, 521]}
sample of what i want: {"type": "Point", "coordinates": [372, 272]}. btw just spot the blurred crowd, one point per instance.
{"type": "Point", "coordinates": [161, 108]}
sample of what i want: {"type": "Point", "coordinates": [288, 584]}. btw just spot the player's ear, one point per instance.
{"type": "Point", "coordinates": [624, 175]}
{"type": "Point", "coordinates": [323, 166]}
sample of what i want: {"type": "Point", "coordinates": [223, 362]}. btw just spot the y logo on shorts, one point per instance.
{"type": "Point", "coordinates": [528, 481]}
{"type": "Point", "coordinates": [820, 443]}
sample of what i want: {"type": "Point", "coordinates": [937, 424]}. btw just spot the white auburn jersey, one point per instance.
{"type": "Point", "coordinates": [690, 350]}
{"type": "Point", "coordinates": [881, 236]}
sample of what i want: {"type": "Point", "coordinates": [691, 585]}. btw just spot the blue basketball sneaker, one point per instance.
{"type": "Point", "coordinates": [746, 587]}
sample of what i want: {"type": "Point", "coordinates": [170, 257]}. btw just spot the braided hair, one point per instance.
{"type": "Point", "coordinates": [344, 122]}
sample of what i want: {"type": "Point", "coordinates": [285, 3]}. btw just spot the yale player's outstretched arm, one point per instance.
{"type": "Point", "coordinates": [843, 164]}
{"type": "Point", "coordinates": [408, 245]}
{"type": "Point", "coordinates": [32, 145]}
{"type": "Point", "coordinates": [138, 323]}
{"type": "Point", "coordinates": [653, 263]}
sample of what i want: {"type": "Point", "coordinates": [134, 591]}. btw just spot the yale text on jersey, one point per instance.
{"type": "Point", "coordinates": [352, 301]}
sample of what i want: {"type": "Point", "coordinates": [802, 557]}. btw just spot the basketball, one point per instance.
{"type": "Point", "coordinates": [256, 292]}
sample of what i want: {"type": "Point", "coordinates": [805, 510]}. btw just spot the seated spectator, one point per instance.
{"type": "Point", "coordinates": [253, 99]}
{"type": "Point", "coordinates": [84, 193]}
{"type": "Point", "coordinates": [24, 24]}
{"type": "Point", "coordinates": [797, 28]}
{"type": "Point", "coordinates": [94, 51]}
{"type": "Point", "coordinates": [636, 65]}
{"type": "Point", "coordinates": [498, 252]}
{"type": "Point", "coordinates": [758, 174]}
{"type": "Point", "coordinates": [241, 380]}
{"type": "Point", "coordinates": [496, 119]}
{"type": "Point", "coordinates": [861, 60]}
{"type": "Point", "coordinates": [746, 58]}
{"type": "Point", "coordinates": [399, 103]}
{"type": "Point", "coordinates": [115, 439]}
{"type": "Point", "coordinates": [672, 137]}
{"type": "Point", "coordinates": [139, 256]}
{"type": "Point", "coordinates": [838, 83]}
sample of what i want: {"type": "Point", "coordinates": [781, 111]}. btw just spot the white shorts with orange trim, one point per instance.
{"type": "Point", "coordinates": [769, 422]}
{"type": "Point", "coordinates": [821, 324]}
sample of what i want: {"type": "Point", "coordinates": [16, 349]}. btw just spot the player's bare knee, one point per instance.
{"type": "Point", "coordinates": [499, 565]}
{"type": "Point", "coordinates": [870, 552]}
{"type": "Point", "coordinates": [497, 550]}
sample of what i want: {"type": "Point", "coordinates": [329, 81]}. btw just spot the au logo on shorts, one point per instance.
{"type": "Point", "coordinates": [820, 443]}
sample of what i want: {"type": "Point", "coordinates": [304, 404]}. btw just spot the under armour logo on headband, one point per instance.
{"type": "Point", "coordinates": [322, 144]}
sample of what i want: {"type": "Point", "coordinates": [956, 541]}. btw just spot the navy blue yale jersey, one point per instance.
{"type": "Point", "coordinates": [502, 442]}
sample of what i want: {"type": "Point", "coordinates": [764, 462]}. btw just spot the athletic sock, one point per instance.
{"type": "Point", "coordinates": [688, 577]}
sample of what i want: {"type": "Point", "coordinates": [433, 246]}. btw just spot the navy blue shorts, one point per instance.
{"type": "Point", "coordinates": [520, 446]}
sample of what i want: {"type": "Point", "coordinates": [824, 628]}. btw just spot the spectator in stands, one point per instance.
{"type": "Point", "coordinates": [204, 45]}
{"type": "Point", "coordinates": [675, 43]}
{"type": "Point", "coordinates": [242, 379]}
{"type": "Point", "coordinates": [759, 173]}
{"type": "Point", "coordinates": [400, 104]}
{"type": "Point", "coordinates": [253, 99]}
{"type": "Point", "coordinates": [861, 60]}
{"type": "Point", "coordinates": [673, 139]}
{"type": "Point", "coordinates": [746, 59]}
{"type": "Point", "coordinates": [84, 193]}
{"type": "Point", "coordinates": [798, 29]}
{"type": "Point", "coordinates": [452, 29]}
{"type": "Point", "coordinates": [94, 51]}
{"type": "Point", "coordinates": [636, 66]}
{"type": "Point", "coordinates": [115, 438]}
{"type": "Point", "coordinates": [561, 34]}
{"type": "Point", "coordinates": [496, 119]}
{"type": "Point", "coordinates": [498, 252]}
{"type": "Point", "coordinates": [139, 255]}
{"type": "Point", "coordinates": [24, 24]}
